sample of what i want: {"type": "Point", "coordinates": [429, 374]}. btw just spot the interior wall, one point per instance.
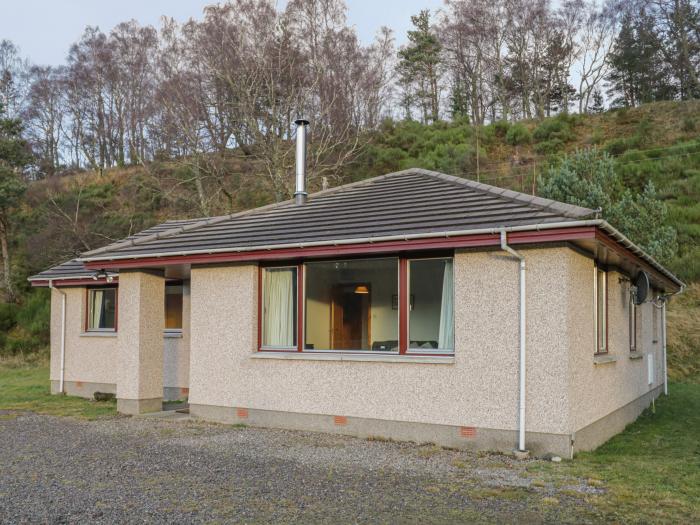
{"type": "Point", "coordinates": [424, 320]}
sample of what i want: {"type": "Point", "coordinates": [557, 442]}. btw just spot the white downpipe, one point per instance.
{"type": "Point", "coordinates": [663, 345]}
{"type": "Point", "coordinates": [63, 336]}
{"type": "Point", "coordinates": [521, 402]}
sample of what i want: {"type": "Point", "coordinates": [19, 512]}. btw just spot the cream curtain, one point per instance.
{"type": "Point", "coordinates": [97, 308]}
{"type": "Point", "coordinates": [446, 333]}
{"type": "Point", "coordinates": [278, 321]}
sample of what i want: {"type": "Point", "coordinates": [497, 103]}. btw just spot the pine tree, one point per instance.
{"type": "Point", "coordinates": [14, 156]}
{"type": "Point", "coordinates": [419, 65]}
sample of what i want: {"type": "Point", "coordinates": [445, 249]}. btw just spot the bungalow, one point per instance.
{"type": "Point", "coordinates": [413, 306]}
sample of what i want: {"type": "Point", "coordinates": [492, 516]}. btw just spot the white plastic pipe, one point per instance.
{"type": "Point", "coordinates": [663, 345]}
{"type": "Point", "coordinates": [521, 402]}
{"type": "Point", "coordinates": [63, 336]}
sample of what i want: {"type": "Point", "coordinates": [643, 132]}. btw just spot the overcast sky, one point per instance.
{"type": "Point", "coordinates": [45, 29]}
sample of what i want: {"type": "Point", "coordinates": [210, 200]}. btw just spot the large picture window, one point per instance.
{"type": "Point", "coordinates": [431, 304]}
{"type": "Point", "coordinates": [101, 309]}
{"type": "Point", "coordinates": [379, 305]}
{"type": "Point", "coordinates": [279, 307]}
{"type": "Point", "coordinates": [349, 305]}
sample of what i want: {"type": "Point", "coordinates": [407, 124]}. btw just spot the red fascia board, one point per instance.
{"type": "Point", "coordinates": [433, 243]}
{"type": "Point", "coordinates": [73, 282]}
{"type": "Point", "coordinates": [611, 243]}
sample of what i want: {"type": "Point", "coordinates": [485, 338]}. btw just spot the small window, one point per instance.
{"type": "Point", "coordinates": [102, 309]}
{"type": "Point", "coordinates": [279, 307]}
{"type": "Point", "coordinates": [431, 308]}
{"type": "Point", "coordinates": [173, 306]}
{"type": "Point", "coordinates": [633, 326]}
{"type": "Point", "coordinates": [601, 307]}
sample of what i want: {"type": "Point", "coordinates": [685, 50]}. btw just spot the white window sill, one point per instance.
{"type": "Point", "coordinates": [98, 334]}
{"type": "Point", "coordinates": [636, 355]}
{"type": "Point", "coordinates": [383, 358]}
{"type": "Point", "coordinates": [172, 334]}
{"type": "Point", "coordinates": [604, 359]}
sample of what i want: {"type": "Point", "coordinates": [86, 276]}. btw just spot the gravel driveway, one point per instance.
{"type": "Point", "coordinates": [62, 470]}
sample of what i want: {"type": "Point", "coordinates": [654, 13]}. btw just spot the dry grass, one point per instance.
{"type": "Point", "coordinates": [683, 319]}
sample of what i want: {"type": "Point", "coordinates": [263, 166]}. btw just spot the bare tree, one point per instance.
{"type": "Point", "coordinates": [597, 39]}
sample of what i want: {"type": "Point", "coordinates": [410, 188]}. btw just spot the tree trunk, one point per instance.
{"type": "Point", "coordinates": [7, 270]}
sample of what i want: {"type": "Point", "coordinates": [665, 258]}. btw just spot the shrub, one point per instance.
{"type": "Point", "coordinates": [549, 147]}
{"type": "Point", "coordinates": [501, 128]}
{"type": "Point", "coordinates": [688, 125]}
{"type": "Point", "coordinates": [553, 128]}
{"type": "Point", "coordinates": [619, 146]}
{"type": "Point", "coordinates": [518, 134]}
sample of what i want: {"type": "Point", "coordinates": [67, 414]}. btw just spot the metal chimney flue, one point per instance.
{"type": "Point", "coordinates": [300, 193]}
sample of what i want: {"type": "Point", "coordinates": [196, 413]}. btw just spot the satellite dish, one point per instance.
{"type": "Point", "coordinates": [641, 283]}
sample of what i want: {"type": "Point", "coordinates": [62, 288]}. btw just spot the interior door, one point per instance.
{"type": "Point", "coordinates": [350, 313]}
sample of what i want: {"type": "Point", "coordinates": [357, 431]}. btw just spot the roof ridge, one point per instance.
{"type": "Point", "coordinates": [568, 210]}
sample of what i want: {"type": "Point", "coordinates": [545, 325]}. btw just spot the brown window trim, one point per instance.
{"type": "Point", "coordinates": [403, 261]}
{"type": "Point", "coordinates": [86, 320]}
{"type": "Point", "coordinates": [598, 351]}
{"type": "Point", "coordinates": [633, 325]}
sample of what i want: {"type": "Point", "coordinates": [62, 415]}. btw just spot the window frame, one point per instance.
{"type": "Point", "coordinates": [606, 348]}
{"type": "Point", "coordinates": [171, 283]}
{"type": "Point", "coordinates": [86, 321]}
{"type": "Point", "coordinates": [633, 325]}
{"type": "Point", "coordinates": [298, 267]}
{"type": "Point", "coordinates": [354, 350]}
{"type": "Point", "coordinates": [425, 351]}
{"type": "Point", "coordinates": [403, 313]}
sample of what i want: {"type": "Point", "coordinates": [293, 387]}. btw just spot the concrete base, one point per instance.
{"type": "Point", "coordinates": [174, 393]}
{"type": "Point", "coordinates": [139, 406]}
{"type": "Point", "coordinates": [468, 438]}
{"type": "Point", "coordinates": [87, 390]}
{"type": "Point", "coordinates": [83, 388]}
{"type": "Point", "coordinates": [597, 433]}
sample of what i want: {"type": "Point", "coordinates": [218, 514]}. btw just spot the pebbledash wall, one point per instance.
{"type": "Point", "coordinates": [92, 359]}
{"type": "Point", "coordinates": [574, 401]}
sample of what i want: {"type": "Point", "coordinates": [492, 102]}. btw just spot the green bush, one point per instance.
{"type": "Point", "coordinates": [619, 146]}
{"type": "Point", "coordinates": [501, 127]}
{"type": "Point", "coordinates": [688, 125]}
{"type": "Point", "coordinates": [24, 328]}
{"type": "Point", "coordinates": [554, 128]}
{"type": "Point", "coordinates": [549, 147]}
{"type": "Point", "coordinates": [518, 134]}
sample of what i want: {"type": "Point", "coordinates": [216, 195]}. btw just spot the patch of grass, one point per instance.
{"type": "Point", "coordinates": [650, 473]}
{"type": "Point", "coordinates": [28, 388]}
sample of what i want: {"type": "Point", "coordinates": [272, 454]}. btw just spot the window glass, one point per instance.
{"type": "Point", "coordinates": [431, 308]}
{"type": "Point", "coordinates": [102, 309]}
{"type": "Point", "coordinates": [352, 305]}
{"type": "Point", "coordinates": [279, 308]}
{"type": "Point", "coordinates": [173, 306]}
{"type": "Point", "coordinates": [601, 309]}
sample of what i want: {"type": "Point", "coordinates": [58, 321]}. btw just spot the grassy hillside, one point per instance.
{"type": "Point", "coordinates": [66, 215]}
{"type": "Point", "coordinates": [658, 142]}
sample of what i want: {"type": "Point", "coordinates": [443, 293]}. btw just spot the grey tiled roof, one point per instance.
{"type": "Point", "coordinates": [74, 269]}
{"type": "Point", "coordinates": [413, 201]}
